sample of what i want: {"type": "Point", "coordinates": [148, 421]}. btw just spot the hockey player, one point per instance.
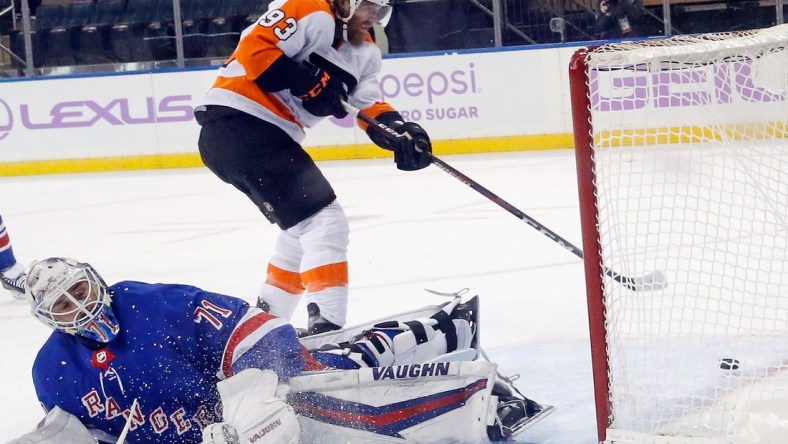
{"type": "Point", "coordinates": [290, 70]}
{"type": "Point", "coordinates": [157, 359]}
{"type": "Point", "coordinates": [12, 273]}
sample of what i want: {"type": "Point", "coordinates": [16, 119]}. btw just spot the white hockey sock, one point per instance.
{"type": "Point", "coordinates": [332, 302]}
{"type": "Point", "coordinates": [280, 302]}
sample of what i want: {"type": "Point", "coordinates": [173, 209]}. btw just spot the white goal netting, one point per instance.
{"type": "Point", "coordinates": [690, 152]}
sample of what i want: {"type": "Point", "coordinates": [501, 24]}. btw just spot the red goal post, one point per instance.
{"type": "Point", "coordinates": [682, 163]}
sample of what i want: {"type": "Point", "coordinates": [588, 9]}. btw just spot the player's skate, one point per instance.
{"type": "Point", "coordinates": [317, 323]}
{"type": "Point", "coordinates": [13, 280]}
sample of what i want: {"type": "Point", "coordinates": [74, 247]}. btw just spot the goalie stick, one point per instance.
{"type": "Point", "coordinates": [127, 427]}
{"type": "Point", "coordinates": [652, 281]}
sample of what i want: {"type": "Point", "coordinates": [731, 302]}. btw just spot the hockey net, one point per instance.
{"type": "Point", "coordinates": [682, 157]}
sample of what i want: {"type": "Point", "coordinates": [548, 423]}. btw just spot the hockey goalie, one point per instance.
{"type": "Point", "coordinates": [168, 363]}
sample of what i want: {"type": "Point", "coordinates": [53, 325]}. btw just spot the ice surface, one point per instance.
{"type": "Point", "coordinates": [409, 231]}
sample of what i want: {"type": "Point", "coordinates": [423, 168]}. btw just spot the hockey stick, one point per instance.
{"type": "Point", "coordinates": [651, 281]}
{"type": "Point", "coordinates": [127, 427]}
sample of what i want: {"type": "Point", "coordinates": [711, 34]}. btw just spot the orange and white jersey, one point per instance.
{"type": "Point", "coordinates": [298, 29]}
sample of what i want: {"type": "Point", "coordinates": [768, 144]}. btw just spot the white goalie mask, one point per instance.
{"type": "Point", "coordinates": [381, 8]}
{"type": "Point", "coordinates": [70, 296]}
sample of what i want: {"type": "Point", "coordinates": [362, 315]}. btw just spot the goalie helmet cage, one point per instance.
{"type": "Point", "coordinates": [682, 160]}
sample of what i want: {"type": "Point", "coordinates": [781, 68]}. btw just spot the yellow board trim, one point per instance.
{"type": "Point", "coordinates": [692, 134]}
{"type": "Point", "coordinates": [338, 152]}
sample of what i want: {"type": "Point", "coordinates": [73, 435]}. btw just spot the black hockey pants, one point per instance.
{"type": "Point", "coordinates": [264, 163]}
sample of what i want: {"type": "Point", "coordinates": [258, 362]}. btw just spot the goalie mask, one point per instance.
{"type": "Point", "coordinates": [378, 11]}
{"type": "Point", "coordinates": [70, 296]}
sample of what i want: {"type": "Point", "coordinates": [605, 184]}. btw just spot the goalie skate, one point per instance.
{"type": "Point", "coordinates": [515, 412]}
{"type": "Point", "coordinates": [524, 423]}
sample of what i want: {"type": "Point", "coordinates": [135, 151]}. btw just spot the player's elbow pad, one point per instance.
{"type": "Point", "coordinates": [284, 73]}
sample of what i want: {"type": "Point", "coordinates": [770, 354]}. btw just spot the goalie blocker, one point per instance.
{"type": "Point", "coordinates": [452, 397]}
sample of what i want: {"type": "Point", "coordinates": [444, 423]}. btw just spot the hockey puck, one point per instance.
{"type": "Point", "coordinates": [729, 364]}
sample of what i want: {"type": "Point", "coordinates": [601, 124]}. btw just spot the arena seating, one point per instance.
{"type": "Point", "coordinates": [93, 43]}
{"type": "Point", "coordinates": [225, 29]}
{"type": "Point", "coordinates": [111, 31]}
{"type": "Point", "coordinates": [49, 17]}
{"type": "Point", "coordinates": [127, 38]}
{"type": "Point", "coordinates": [82, 32]}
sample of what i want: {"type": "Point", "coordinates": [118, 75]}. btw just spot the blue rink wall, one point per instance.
{"type": "Point", "coordinates": [470, 102]}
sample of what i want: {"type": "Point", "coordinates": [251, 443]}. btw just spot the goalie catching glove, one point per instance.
{"type": "Point", "coordinates": [412, 150]}
{"type": "Point", "coordinates": [252, 412]}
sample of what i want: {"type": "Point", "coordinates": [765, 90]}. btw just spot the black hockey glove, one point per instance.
{"type": "Point", "coordinates": [406, 154]}
{"type": "Point", "coordinates": [413, 150]}
{"type": "Point", "coordinates": [321, 94]}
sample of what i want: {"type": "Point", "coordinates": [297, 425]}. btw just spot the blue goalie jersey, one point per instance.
{"type": "Point", "coordinates": [175, 343]}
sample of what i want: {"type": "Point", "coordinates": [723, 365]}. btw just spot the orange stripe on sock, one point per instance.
{"type": "Point", "coordinates": [327, 276]}
{"type": "Point", "coordinates": [288, 281]}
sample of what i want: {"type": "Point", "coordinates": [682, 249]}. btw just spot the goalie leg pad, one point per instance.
{"type": "Point", "coordinates": [329, 402]}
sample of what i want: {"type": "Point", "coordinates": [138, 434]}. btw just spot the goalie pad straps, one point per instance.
{"type": "Point", "coordinates": [418, 331]}
{"type": "Point", "coordinates": [402, 343]}
{"type": "Point", "coordinates": [418, 327]}
{"type": "Point", "coordinates": [446, 325]}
